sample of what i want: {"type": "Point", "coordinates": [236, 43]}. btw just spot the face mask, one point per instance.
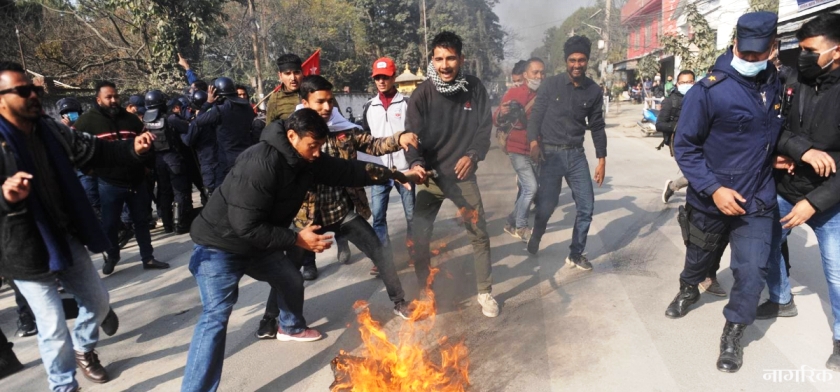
{"type": "Point", "coordinates": [72, 116]}
{"type": "Point", "coordinates": [809, 66]}
{"type": "Point", "coordinates": [747, 68]}
{"type": "Point", "coordinates": [533, 84]}
{"type": "Point", "coordinates": [683, 88]}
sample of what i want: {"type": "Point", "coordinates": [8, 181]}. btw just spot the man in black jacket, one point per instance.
{"type": "Point", "coordinates": [47, 226]}
{"type": "Point", "coordinates": [244, 230]}
{"type": "Point", "coordinates": [120, 186]}
{"type": "Point", "coordinates": [811, 193]}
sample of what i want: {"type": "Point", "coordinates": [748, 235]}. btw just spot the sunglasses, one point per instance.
{"type": "Point", "coordinates": [381, 77]}
{"type": "Point", "coordinates": [24, 91]}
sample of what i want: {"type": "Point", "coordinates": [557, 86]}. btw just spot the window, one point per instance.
{"type": "Point", "coordinates": [637, 34]}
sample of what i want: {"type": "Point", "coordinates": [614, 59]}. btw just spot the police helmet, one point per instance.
{"type": "Point", "coordinates": [198, 99]}
{"type": "Point", "coordinates": [155, 105]}
{"type": "Point", "coordinates": [68, 104]}
{"type": "Point", "coordinates": [225, 87]}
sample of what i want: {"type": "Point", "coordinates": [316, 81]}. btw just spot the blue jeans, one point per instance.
{"type": "Point", "coordinates": [526, 174]}
{"type": "Point", "coordinates": [137, 201]}
{"type": "Point", "coordinates": [379, 197]}
{"type": "Point", "coordinates": [217, 274]}
{"type": "Point", "coordinates": [826, 226]}
{"type": "Point", "coordinates": [91, 185]}
{"type": "Point", "coordinates": [570, 164]}
{"type": "Point", "coordinates": [55, 341]}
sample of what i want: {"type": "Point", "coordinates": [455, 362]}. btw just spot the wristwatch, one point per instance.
{"type": "Point", "coordinates": [472, 157]}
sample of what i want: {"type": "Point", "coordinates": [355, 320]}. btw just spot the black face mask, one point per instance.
{"type": "Point", "coordinates": [809, 67]}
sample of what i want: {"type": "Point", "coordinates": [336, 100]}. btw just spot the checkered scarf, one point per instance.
{"type": "Point", "coordinates": [451, 88]}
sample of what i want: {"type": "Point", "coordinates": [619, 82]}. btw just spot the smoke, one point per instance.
{"type": "Point", "coordinates": [528, 20]}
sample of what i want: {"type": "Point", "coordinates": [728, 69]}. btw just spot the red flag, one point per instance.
{"type": "Point", "coordinates": [312, 65]}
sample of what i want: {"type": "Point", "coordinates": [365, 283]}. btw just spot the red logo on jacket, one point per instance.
{"type": "Point", "coordinates": [467, 106]}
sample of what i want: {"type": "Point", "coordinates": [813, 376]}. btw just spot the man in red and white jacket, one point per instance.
{"type": "Point", "coordinates": [513, 126]}
{"type": "Point", "coordinates": [383, 116]}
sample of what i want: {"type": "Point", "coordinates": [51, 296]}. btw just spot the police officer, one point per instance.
{"type": "Point", "coordinates": [231, 117]}
{"type": "Point", "coordinates": [728, 129]}
{"type": "Point", "coordinates": [173, 181]}
{"type": "Point", "coordinates": [202, 139]}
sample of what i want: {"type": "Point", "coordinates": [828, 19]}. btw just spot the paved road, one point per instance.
{"type": "Point", "coordinates": [559, 330]}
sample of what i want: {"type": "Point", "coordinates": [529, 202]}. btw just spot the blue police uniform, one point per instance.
{"type": "Point", "coordinates": [202, 139]}
{"type": "Point", "coordinates": [174, 184]}
{"type": "Point", "coordinates": [232, 122]}
{"type": "Point", "coordinates": [726, 137]}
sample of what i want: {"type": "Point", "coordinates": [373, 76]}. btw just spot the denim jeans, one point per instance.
{"type": "Point", "coordinates": [379, 197]}
{"type": "Point", "coordinates": [91, 185]}
{"type": "Point", "coordinates": [217, 274]}
{"type": "Point", "coordinates": [526, 175]}
{"type": "Point", "coordinates": [137, 200]}
{"type": "Point", "coordinates": [570, 164]}
{"type": "Point", "coordinates": [55, 341]}
{"type": "Point", "coordinates": [826, 226]}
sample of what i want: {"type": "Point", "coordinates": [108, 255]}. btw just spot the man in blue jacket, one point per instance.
{"type": "Point", "coordinates": [728, 132]}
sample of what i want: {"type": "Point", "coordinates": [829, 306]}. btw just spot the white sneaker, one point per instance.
{"type": "Point", "coordinates": [488, 305]}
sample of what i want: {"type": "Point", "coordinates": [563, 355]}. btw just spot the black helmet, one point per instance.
{"type": "Point", "coordinates": [155, 105]}
{"type": "Point", "coordinates": [225, 87]}
{"type": "Point", "coordinates": [68, 104]}
{"type": "Point", "coordinates": [183, 101]}
{"type": "Point", "coordinates": [198, 99]}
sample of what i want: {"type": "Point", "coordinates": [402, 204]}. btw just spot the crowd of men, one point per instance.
{"type": "Point", "coordinates": [273, 187]}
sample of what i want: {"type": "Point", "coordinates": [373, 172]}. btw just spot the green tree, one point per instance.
{"type": "Point", "coordinates": [698, 53]}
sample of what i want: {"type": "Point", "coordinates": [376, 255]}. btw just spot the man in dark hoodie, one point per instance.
{"type": "Point", "coordinates": [120, 186]}
{"type": "Point", "coordinates": [244, 230]}
{"type": "Point", "coordinates": [728, 128]}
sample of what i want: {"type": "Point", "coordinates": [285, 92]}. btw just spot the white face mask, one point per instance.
{"type": "Point", "coordinates": [748, 68]}
{"type": "Point", "coordinates": [683, 88]}
{"type": "Point", "coordinates": [533, 84]}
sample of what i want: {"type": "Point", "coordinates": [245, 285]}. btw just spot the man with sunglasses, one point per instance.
{"type": "Point", "coordinates": [47, 226]}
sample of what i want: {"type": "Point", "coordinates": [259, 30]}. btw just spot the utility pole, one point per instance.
{"type": "Point", "coordinates": [425, 33]}
{"type": "Point", "coordinates": [606, 35]}
{"type": "Point", "coordinates": [255, 43]}
{"type": "Point", "coordinates": [20, 48]}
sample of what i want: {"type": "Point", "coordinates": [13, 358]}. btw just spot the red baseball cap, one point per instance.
{"type": "Point", "coordinates": [384, 66]}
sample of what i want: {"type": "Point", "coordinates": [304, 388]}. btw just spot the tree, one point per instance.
{"type": "Point", "coordinates": [697, 53]}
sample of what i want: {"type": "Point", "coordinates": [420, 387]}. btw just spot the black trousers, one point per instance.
{"type": "Point", "coordinates": [174, 185]}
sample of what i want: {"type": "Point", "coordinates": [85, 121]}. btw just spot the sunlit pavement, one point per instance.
{"type": "Point", "coordinates": [560, 329]}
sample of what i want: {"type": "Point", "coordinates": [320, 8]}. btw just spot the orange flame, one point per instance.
{"type": "Point", "coordinates": [402, 366]}
{"type": "Point", "coordinates": [467, 215]}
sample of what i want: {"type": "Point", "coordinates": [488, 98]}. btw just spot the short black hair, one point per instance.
{"type": "Point", "coordinates": [519, 67]}
{"type": "Point", "coordinates": [313, 83]}
{"type": "Point", "coordinates": [307, 122]}
{"type": "Point", "coordinates": [448, 40]}
{"type": "Point", "coordinates": [102, 84]}
{"type": "Point", "coordinates": [826, 24]}
{"type": "Point", "coordinates": [533, 60]}
{"type": "Point", "coordinates": [242, 87]}
{"type": "Point", "coordinates": [11, 66]}
{"type": "Point", "coordinates": [686, 72]}
{"type": "Point", "coordinates": [200, 85]}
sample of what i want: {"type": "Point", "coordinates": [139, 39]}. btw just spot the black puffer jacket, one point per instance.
{"type": "Point", "coordinates": [252, 211]}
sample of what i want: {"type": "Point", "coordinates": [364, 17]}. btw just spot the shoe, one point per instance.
{"type": "Point", "coordinates": [833, 361]}
{"type": "Point", "coordinates": [401, 309]}
{"type": "Point", "coordinates": [533, 245]}
{"type": "Point", "coordinates": [308, 335]}
{"type": "Point", "coordinates": [9, 363]}
{"type": "Point", "coordinates": [579, 261]}
{"type": "Point", "coordinates": [182, 229]}
{"type": "Point", "coordinates": [688, 295]}
{"type": "Point", "coordinates": [711, 286]}
{"type": "Point", "coordinates": [109, 264]}
{"type": "Point", "coordinates": [154, 264]}
{"type": "Point", "coordinates": [770, 309]}
{"type": "Point", "coordinates": [489, 306]}
{"type": "Point", "coordinates": [374, 271]}
{"type": "Point", "coordinates": [343, 252]}
{"type": "Point", "coordinates": [111, 323]}
{"type": "Point", "coordinates": [523, 233]}
{"type": "Point", "coordinates": [310, 272]}
{"type": "Point", "coordinates": [667, 192]}
{"type": "Point", "coordinates": [731, 353]}
{"type": "Point", "coordinates": [91, 368]}
{"type": "Point", "coordinates": [168, 229]}
{"type": "Point", "coordinates": [268, 328]}
{"type": "Point", "coordinates": [510, 230]}
{"type": "Point", "coordinates": [124, 236]}
{"type": "Point", "coordinates": [26, 325]}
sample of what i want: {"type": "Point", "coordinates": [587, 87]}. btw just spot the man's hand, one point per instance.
{"type": "Point", "coordinates": [800, 214]}
{"type": "Point", "coordinates": [143, 143]}
{"type": "Point", "coordinates": [727, 200]}
{"type": "Point", "coordinates": [536, 153]}
{"type": "Point", "coordinates": [504, 109]}
{"type": "Point", "coordinates": [599, 171]}
{"type": "Point", "coordinates": [822, 163]}
{"type": "Point", "coordinates": [784, 163]}
{"type": "Point", "coordinates": [16, 187]}
{"type": "Point", "coordinates": [65, 121]}
{"type": "Point", "coordinates": [183, 62]}
{"type": "Point", "coordinates": [419, 174]}
{"type": "Point", "coordinates": [464, 167]}
{"type": "Point", "coordinates": [211, 94]}
{"type": "Point", "coordinates": [309, 240]}
{"type": "Point", "coordinates": [408, 139]}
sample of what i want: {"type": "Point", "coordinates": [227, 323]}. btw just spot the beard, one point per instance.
{"type": "Point", "coordinates": [31, 110]}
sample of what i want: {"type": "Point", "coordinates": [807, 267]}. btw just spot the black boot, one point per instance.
{"type": "Point", "coordinates": [9, 363]}
{"type": "Point", "coordinates": [688, 295]}
{"type": "Point", "coordinates": [834, 360]}
{"type": "Point", "coordinates": [731, 353]}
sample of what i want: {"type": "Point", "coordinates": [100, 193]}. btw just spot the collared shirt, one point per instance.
{"type": "Point", "coordinates": [563, 112]}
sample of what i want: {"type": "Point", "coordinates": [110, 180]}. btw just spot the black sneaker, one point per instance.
{"type": "Point", "coordinates": [770, 309]}
{"type": "Point", "coordinates": [111, 323]}
{"type": "Point", "coordinates": [310, 272]}
{"type": "Point", "coordinates": [109, 264]}
{"type": "Point", "coordinates": [533, 245]}
{"type": "Point", "coordinates": [154, 264]}
{"type": "Point", "coordinates": [26, 325]}
{"type": "Point", "coordinates": [401, 309]}
{"type": "Point", "coordinates": [579, 261]}
{"type": "Point", "coordinates": [9, 363]}
{"type": "Point", "coordinates": [267, 329]}
{"type": "Point", "coordinates": [833, 362]}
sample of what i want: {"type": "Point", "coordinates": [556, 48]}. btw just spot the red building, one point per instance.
{"type": "Point", "coordinates": [646, 21]}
